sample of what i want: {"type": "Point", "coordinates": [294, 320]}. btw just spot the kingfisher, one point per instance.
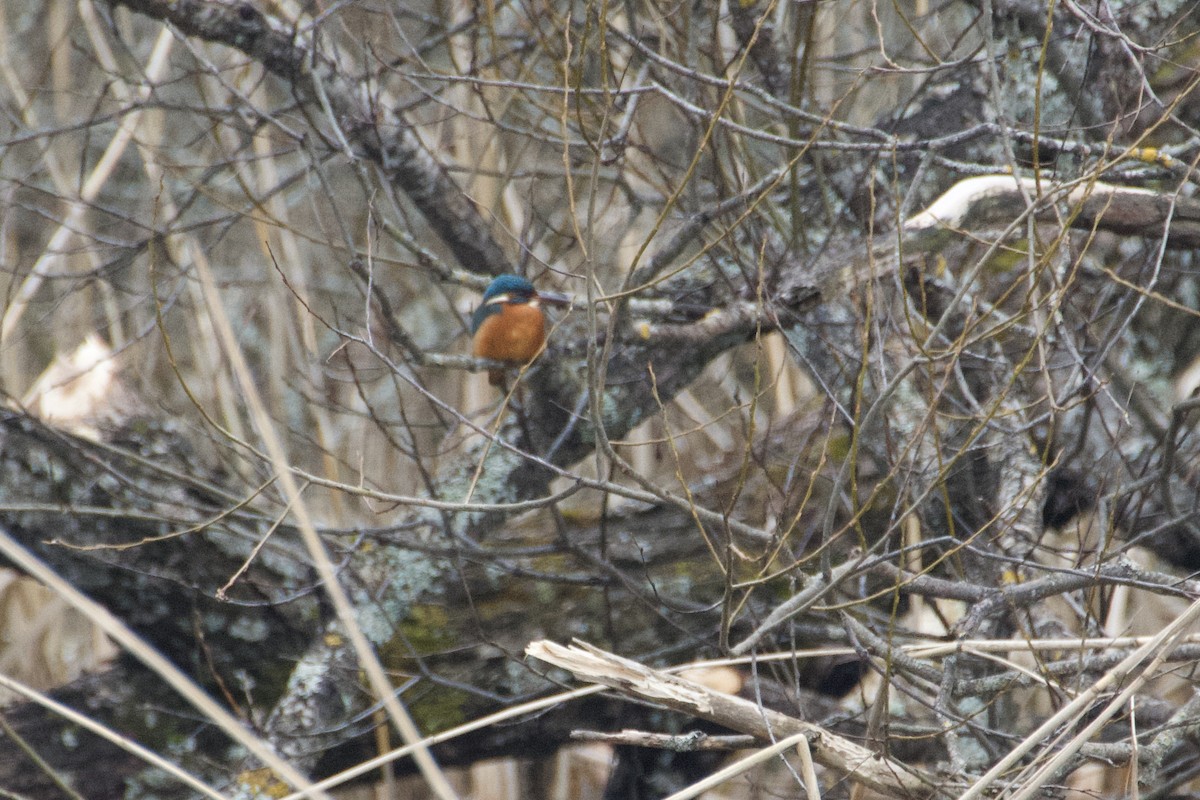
{"type": "Point", "coordinates": [509, 324]}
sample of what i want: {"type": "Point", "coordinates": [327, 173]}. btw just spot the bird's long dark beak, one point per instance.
{"type": "Point", "coordinates": [554, 298]}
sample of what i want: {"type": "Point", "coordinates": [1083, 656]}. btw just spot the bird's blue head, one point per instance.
{"type": "Point", "coordinates": [503, 289]}
{"type": "Point", "coordinates": [516, 287]}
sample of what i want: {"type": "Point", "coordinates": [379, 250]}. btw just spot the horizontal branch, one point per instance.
{"type": "Point", "coordinates": [635, 680]}
{"type": "Point", "coordinates": [691, 742]}
{"type": "Point", "coordinates": [972, 204]}
{"type": "Point", "coordinates": [989, 200]}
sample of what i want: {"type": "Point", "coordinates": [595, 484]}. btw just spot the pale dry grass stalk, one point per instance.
{"type": "Point", "coordinates": [1137, 668]}
{"type": "Point", "coordinates": [52, 253]}
{"type": "Point", "coordinates": [133, 644]}
{"type": "Point", "coordinates": [798, 741]}
{"type": "Point", "coordinates": [295, 335]}
{"type": "Point", "coordinates": [124, 742]}
{"type": "Point", "coordinates": [58, 171]}
{"type": "Point", "coordinates": [182, 246]}
{"type": "Point", "coordinates": [224, 339]}
{"type": "Point", "coordinates": [496, 718]}
{"type": "Point", "coordinates": [277, 455]}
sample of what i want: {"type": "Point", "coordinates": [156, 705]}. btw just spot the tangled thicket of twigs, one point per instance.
{"type": "Point", "coordinates": [924, 482]}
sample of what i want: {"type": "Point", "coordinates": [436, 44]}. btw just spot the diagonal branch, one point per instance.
{"type": "Point", "coordinates": [635, 680]}
{"type": "Point", "coordinates": [318, 78]}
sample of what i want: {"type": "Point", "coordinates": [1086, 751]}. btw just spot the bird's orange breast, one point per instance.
{"type": "Point", "coordinates": [514, 334]}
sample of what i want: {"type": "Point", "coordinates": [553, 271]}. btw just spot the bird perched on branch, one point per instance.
{"type": "Point", "coordinates": [509, 324]}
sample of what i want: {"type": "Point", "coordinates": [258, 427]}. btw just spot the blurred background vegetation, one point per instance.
{"type": "Point", "coordinates": [335, 183]}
